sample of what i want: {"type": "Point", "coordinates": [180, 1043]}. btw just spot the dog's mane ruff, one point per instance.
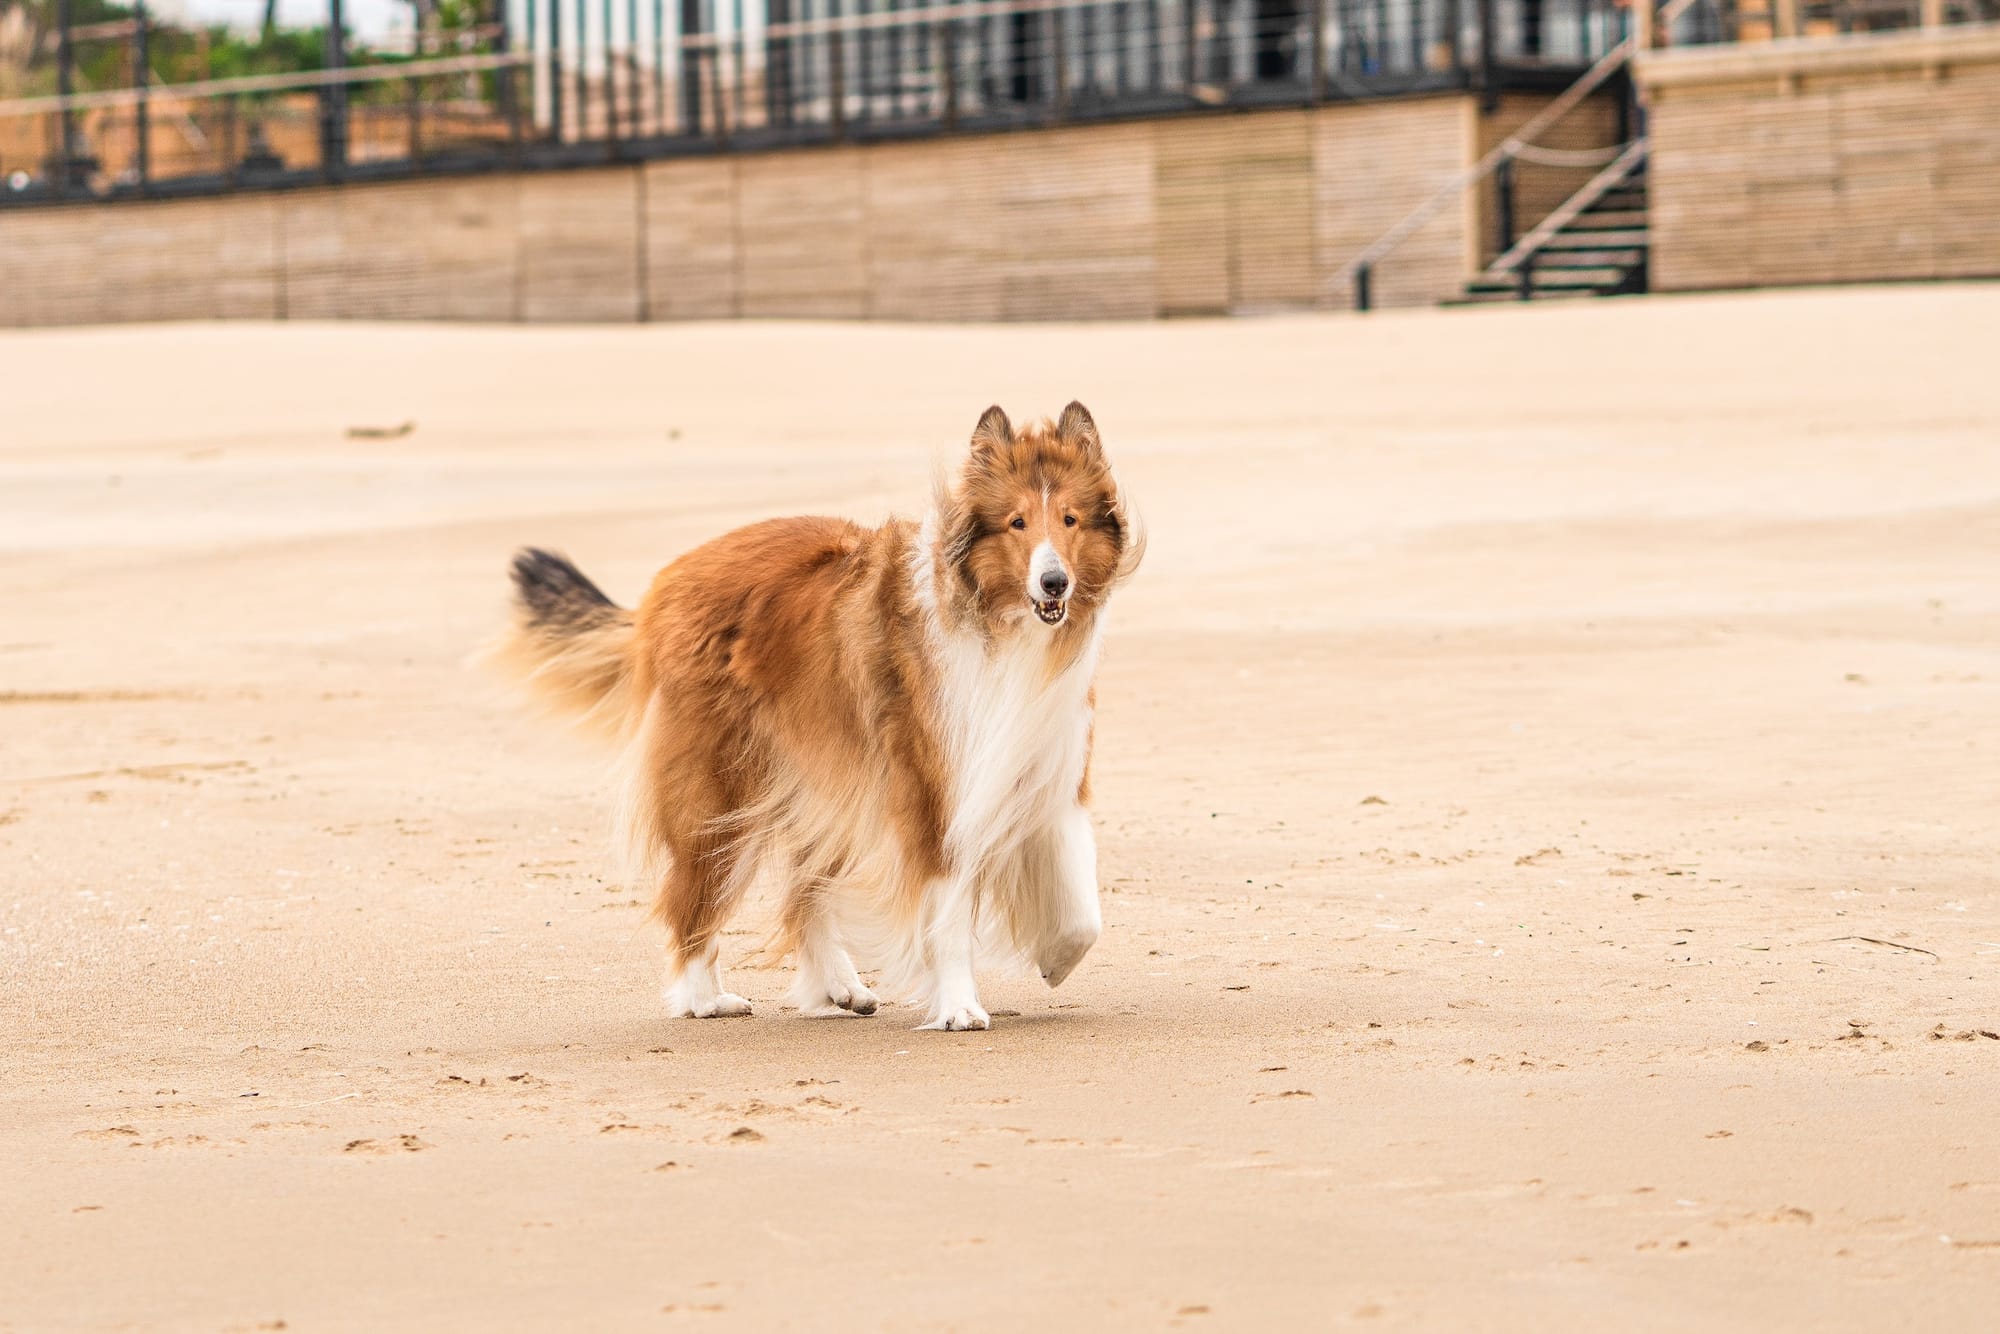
{"type": "Point", "coordinates": [1014, 719]}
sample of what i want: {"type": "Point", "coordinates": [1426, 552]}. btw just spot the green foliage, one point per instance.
{"type": "Point", "coordinates": [180, 55]}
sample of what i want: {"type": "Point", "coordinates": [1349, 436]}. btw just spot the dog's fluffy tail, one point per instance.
{"type": "Point", "coordinates": [571, 645]}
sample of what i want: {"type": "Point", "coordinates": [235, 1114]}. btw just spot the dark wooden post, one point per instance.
{"type": "Point", "coordinates": [142, 120]}
{"type": "Point", "coordinates": [333, 104]}
{"type": "Point", "coordinates": [1316, 49]}
{"type": "Point", "coordinates": [1489, 58]}
{"type": "Point", "coordinates": [688, 62]}
{"type": "Point", "coordinates": [1188, 76]}
{"type": "Point", "coordinates": [948, 62]}
{"type": "Point", "coordinates": [67, 158]}
{"type": "Point", "coordinates": [836, 65]}
{"type": "Point", "coordinates": [555, 71]}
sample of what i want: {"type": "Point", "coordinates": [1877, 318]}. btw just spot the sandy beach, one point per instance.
{"type": "Point", "coordinates": [1546, 787]}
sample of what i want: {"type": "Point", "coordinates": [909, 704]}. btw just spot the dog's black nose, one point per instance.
{"type": "Point", "coordinates": [1055, 583]}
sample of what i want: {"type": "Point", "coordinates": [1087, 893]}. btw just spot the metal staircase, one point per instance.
{"type": "Point", "coordinates": [1594, 245]}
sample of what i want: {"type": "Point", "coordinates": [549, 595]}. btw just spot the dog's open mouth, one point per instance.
{"type": "Point", "coordinates": [1052, 613]}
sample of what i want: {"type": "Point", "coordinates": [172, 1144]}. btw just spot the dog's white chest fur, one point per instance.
{"type": "Point", "coordinates": [1016, 739]}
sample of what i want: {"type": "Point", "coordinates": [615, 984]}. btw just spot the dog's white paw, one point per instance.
{"type": "Point", "coordinates": [965, 1018]}
{"type": "Point", "coordinates": [852, 996]}
{"type": "Point", "coordinates": [1059, 957]}
{"type": "Point", "coordinates": [722, 1005]}
{"type": "Point", "coordinates": [839, 998]}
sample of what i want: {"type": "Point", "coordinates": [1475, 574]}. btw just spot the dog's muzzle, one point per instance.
{"type": "Point", "coordinates": [1053, 604]}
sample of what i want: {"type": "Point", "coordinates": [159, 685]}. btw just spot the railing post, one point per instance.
{"type": "Point", "coordinates": [1489, 58]}
{"type": "Point", "coordinates": [836, 69]}
{"type": "Point", "coordinates": [503, 77]}
{"type": "Point", "coordinates": [777, 65]}
{"type": "Point", "coordinates": [582, 71]}
{"type": "Point", "coordinates": [688, 62]}
{"type": "Point", "coordinates": [1503, 203]}
{"type": "Point", "coordinates": [1188, 77]}
{"type": "Point", "coordinates": [947, 33]}
{"type": "Point", "coordinates": [1316, 48]}
{"type": "Point", "coordinates": [1643, 34]}
{"type": "Point", "coordinates": [333, 109]}
{"type": "Point", "coordinates": [1930, 13]}
{"type": "Point", "coordinates": [610, 83]}
{"type": "Point", "coordinates": [67, 158]}
{"type": "Point", "coordinates": [1059, 45]}
{"type": "Point", "coordinates": [142, 119]}
{"type": "Point", "coordinates": [635, 87]}
{"type": "Point", "coordinates": [1787, 18]}
{"type": "Point", "coordinates": [555, 72]}
{"type": "Point", "coordinates": [1362, 276]}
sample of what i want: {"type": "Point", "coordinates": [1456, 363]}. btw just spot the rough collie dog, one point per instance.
{"type": "Point", "coordinates": [894, 724]}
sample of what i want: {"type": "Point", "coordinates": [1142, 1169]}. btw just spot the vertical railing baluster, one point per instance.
{"type": "Point", "coordinates": [836, 71]}
{"type": "Point", "coordinates": [333, 134]}
{"type": "Point", "coordinates": [142, 121]}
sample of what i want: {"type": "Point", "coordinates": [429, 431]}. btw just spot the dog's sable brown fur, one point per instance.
{"type": "Point", "coordinates": [841, 707]}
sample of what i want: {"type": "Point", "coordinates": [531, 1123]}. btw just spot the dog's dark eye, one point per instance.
{"type": "Point", "coordinates": [1018, 523]}
{"type": "Point", "coordinates": [1069, 521]}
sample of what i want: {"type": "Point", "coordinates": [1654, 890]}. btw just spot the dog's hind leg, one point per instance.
{"type": "Point", "coordinates": [827, 981]}
{"type": "Point", "coordinates": [702, 889]}
{"type": "Point", "coordinates": [826, 975]}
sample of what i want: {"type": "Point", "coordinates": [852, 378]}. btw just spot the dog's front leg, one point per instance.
{"type": "Point", "coordinates": [1073, 918]}
{"type": "Point", "coordinates": [951, 905]}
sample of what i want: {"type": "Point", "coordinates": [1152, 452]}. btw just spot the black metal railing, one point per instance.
{"type": "Point", "coordinates": [545, 82]}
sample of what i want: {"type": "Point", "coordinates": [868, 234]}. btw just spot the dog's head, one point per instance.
{"type": "Point", "coordinates": [1035, 532]}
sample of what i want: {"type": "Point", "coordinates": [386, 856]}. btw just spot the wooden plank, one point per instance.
{"type": "Point", "coordinates": [1373, 162]}
{"type": "Point", "coordinates": [580, 238]}
{"type": "Point", "coordinates": [691, 251]}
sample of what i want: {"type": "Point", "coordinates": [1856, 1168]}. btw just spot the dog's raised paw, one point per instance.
{"type": "Point", "coordinates": [1060, 957]}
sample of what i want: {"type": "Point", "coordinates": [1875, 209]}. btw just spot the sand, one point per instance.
{"type": "Point", "coordinates": [1546, 779]}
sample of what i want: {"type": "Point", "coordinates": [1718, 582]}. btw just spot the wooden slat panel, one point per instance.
{"type": "Point", "coordinates": [1372, 164]}
{"type": "Point", "coordinates": [579, 238]}
{"type": "Point", "coordinates": [1848, 173]}
{"type": "Point", "coordinates": [932, 235]}
{"type": "Point", "coordinates": [691, 252]}
{"type": "Point", "coordinates": [1235, 200]}
{"type": "Point", "coordinates": [803, 250]}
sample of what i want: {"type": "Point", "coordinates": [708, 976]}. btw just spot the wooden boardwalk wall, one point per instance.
{"type": "Point", "coordinates": [1195, 215]}
{"type": "Point", "coordinates": [1848, 159]}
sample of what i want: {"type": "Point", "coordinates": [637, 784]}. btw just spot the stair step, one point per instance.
{"type": "Point", "coordinates": [1598, 238]}
{"type": "Point", "coordinates": [1576, 261]}
{"type": "Point", "coordinates": [1578, 280]}
{"type": "Point", "coordinates": [1500, 296]}
{"type": "Point", "coordinates": [1573, 275]}
{"type": "Point", "coordinates": [1616, 201]}
{"type": "Point", "coordinates": [1612, 218]}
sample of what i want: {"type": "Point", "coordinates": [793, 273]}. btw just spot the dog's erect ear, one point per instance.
{"type": "Point", "coordinates": [1078, 430]}
{"type": "Point", "coordinates": [993, 433]}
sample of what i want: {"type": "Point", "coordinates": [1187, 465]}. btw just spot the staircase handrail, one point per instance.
{"type": "Point", "coordinates": [1357, 269]}
{"type": "Point", "coordinates": [1567, 212]}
